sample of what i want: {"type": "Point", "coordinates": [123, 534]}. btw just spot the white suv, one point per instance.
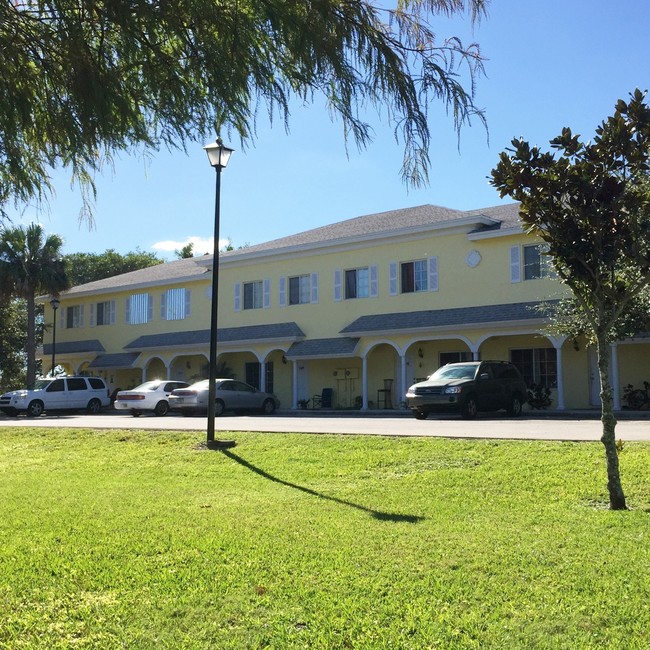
{"type": "Point", "coordinates": [61, 393]}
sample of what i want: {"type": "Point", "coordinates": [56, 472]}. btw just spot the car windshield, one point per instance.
{"type": "Point", "coordinates": [454, 372]}
{"type": "Point", "coordinates": [40, 384]}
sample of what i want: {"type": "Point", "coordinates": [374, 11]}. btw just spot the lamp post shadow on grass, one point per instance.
{"type": "Point", "coordinates": [376, 514]}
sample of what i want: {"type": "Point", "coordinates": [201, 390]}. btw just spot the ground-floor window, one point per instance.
{"type": "Point", "coordinates": [537, 365]}
{"type": "Point", "coordinates": [453, 357]}
{"type": "Point", "coordinates": [253, 372]}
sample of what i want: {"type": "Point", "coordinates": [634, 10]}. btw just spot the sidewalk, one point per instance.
{"type": "Point", "coordinates": [567, 414]}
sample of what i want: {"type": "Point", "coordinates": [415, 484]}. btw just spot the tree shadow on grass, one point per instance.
{"type": "Point", "coordinates": [376, 514]}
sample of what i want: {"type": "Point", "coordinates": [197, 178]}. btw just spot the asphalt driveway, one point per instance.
{"type": "Point", "coordinates": [546, 426]}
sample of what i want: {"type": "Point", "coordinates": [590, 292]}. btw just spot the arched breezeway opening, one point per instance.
{"type": "Point", "coordinates": [424, 356]}
{"type": "Point", "coordinates": [155, 368]}
{"type": "Point", "coordinates": [548, 365]}
{"type": "Point", "coordinates": [189, 367]}
{"type": "Point", "coordinates": [382, 378]}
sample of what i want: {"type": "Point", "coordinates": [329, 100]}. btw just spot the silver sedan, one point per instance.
{"type": "Point", "coordinates": [231, 395]}
{"type": "Point", "coordinates": [150, 396]}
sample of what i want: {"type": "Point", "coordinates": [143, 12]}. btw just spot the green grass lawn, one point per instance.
{"type": "Point", "coordinates": [115, 539]}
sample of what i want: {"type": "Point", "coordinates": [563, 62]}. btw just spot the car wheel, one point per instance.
{"type": "Point", "coordinates": [35, 408]}
{"type": "Point", "coordinates": [94, 406]}
{"type": "Point", "coordinates": [470, 408]}
{"type": "Point", "coordinates": [268, 408]}
{"type": "Point", "coordinates": [420, 415]}
{"type": "Point", "coordinates": [162, 408]}
{"type": "Point", "coordinates": [514, 410]}
{"type": "Point", "coordinates": [219, 408]}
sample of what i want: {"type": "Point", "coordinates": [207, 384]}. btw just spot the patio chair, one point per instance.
{"type": "Point", "coordinates": [324, 400]}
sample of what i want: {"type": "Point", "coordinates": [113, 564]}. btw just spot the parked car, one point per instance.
{"type": "Point", "coordinates": [468, 388]}
{"type": "Point", "coordinates": [150, 396]}
{"type": "Point", "coordinates": [231, 395]}
{"type": "Point", "coordinates": [57, 394]}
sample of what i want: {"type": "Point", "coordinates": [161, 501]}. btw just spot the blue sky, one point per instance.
{"type": "Point", "coordinates": [549, 64]}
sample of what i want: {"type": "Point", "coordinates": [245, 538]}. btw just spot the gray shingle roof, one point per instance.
{"type": "Point", "coordinates": [92, 345]}
{"type": "Point", "coordinates": [320, 348]}
{"type": "Point", "coordinates": [283, 331]}
{"type": "Point", "coordinates": [386, 223]}
{"type": "Point", "coordinates": [416, 320]}
{"type": "Point", "coordinates": [160, 273]}
{"type": "Point", "coordinates": [117, 360]}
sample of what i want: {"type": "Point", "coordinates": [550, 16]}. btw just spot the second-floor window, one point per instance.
{"type": "Point", "coordinates": [175, 304]}
{"type": "Point", "coordinates": [253, 295]}
{"type": "Point", "coordinates": [299, 290]}
{"type": "Point", "coordinates": [102, 313]}
{"type": "Point", "coordinates": [536, 262]}
{"type": "Point", "coordinates": [357, 283]}
{"type": "Point", "coordinates": [139, 308]}
{"type": "Point", "coordinates": [530, 262]}
{"type": "Point", "coordinates": [72, 316]}
{"type": "Point", "coordinates": [414, 276]}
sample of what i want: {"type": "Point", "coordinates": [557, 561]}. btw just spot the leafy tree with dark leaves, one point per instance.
{"type": "Point", "coordinates": [82, 268]}
{"type": "Point", "coordinates": [82, 80]}
{"type": "Point", "coordinates": [591, 205]}
{"type": "Point", "coordinates": [30, 264]}
{"type": "Point", "coordinates": [13, 343]}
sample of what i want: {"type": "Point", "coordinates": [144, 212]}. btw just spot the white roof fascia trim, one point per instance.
{"type": "Point", "coordinates": [66, 295]}
{"type": "Point", "coordinates": [504, 232]}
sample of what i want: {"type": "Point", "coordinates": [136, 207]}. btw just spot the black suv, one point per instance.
{"type": "Point", "coordinates": [469, 387]}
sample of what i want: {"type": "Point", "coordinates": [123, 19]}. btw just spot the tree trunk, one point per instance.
{"type": "Point", "coordinates": [614, 487]}
{"type": "Point", "coordinates": [31, 338]}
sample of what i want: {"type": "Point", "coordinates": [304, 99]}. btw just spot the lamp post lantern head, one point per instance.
{"type": "Point", "coordinates": [218, 154]}
{"type": "Point", "coordinates": [54, 303]}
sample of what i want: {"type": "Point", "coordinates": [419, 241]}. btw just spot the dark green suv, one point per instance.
{"type": "Point", "coordinates": [468, 388]}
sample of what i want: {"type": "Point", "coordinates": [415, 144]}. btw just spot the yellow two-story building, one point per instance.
{"type": "Point", "coordinates": [361, 309]}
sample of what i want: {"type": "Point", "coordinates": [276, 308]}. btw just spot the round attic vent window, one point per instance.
{"type": "Point", "coordinates": [473, 259]}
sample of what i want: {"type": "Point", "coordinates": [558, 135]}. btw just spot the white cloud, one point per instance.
{"type": "Point", "coordinates": [202, 245]}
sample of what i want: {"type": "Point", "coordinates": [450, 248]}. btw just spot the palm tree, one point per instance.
{"type": "Point", "coordinates": [30, 264]}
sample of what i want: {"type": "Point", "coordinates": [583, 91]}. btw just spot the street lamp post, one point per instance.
{"type": "Point", "coordinates": [54, 303]}
{"type": "Point", "coordinates": [218, 155]}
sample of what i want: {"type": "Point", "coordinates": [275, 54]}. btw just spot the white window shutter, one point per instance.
{"type": "Point", "coordinates": [392, 278]}
{"type": "Point", "coordinates": [92, 314]}
{"type": "Point", "coordinates": [81, 315]}
{"type": "Point", "coordinates": [266, 298]}
{"type": "Point", "coordinates": [374, 284]}
{"type": "Point", "coordinates": [163, 305]}
{"type": "Point", "coordinates": [63, 317]}
{"type": "Point", "coordinates": [283, 291]}
{"type": "Point", "coordinates": [433, 274]}
{"type": "Point", "coordinates": [314, 288]}
{"type": "Point", "coordinates": [188, 302]}
{"type": "Point", "coordinates": [237, 296]}
{"type": "Point", "coordinates": [515, 264]}
{"type": "Point", "coordinates": [337, 285]}
{"type": "Point", "coordinates": [112, 314]}
{"type": "Point", "coordinates": [149, 308]}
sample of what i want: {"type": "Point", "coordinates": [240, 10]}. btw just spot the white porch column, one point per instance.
{"type": "Point", "coordinates": [615, 378]}
{"type": "Point", "coordinates": [402, 360]}
{"type": "Point", "coordinates": [263, 376]}
{"type": "Point", "coordinates": [364, 383]}
{"type": "Point", "coordinates": [560, 377]}
{"type": "Point", "coordinates": [294, 387]}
